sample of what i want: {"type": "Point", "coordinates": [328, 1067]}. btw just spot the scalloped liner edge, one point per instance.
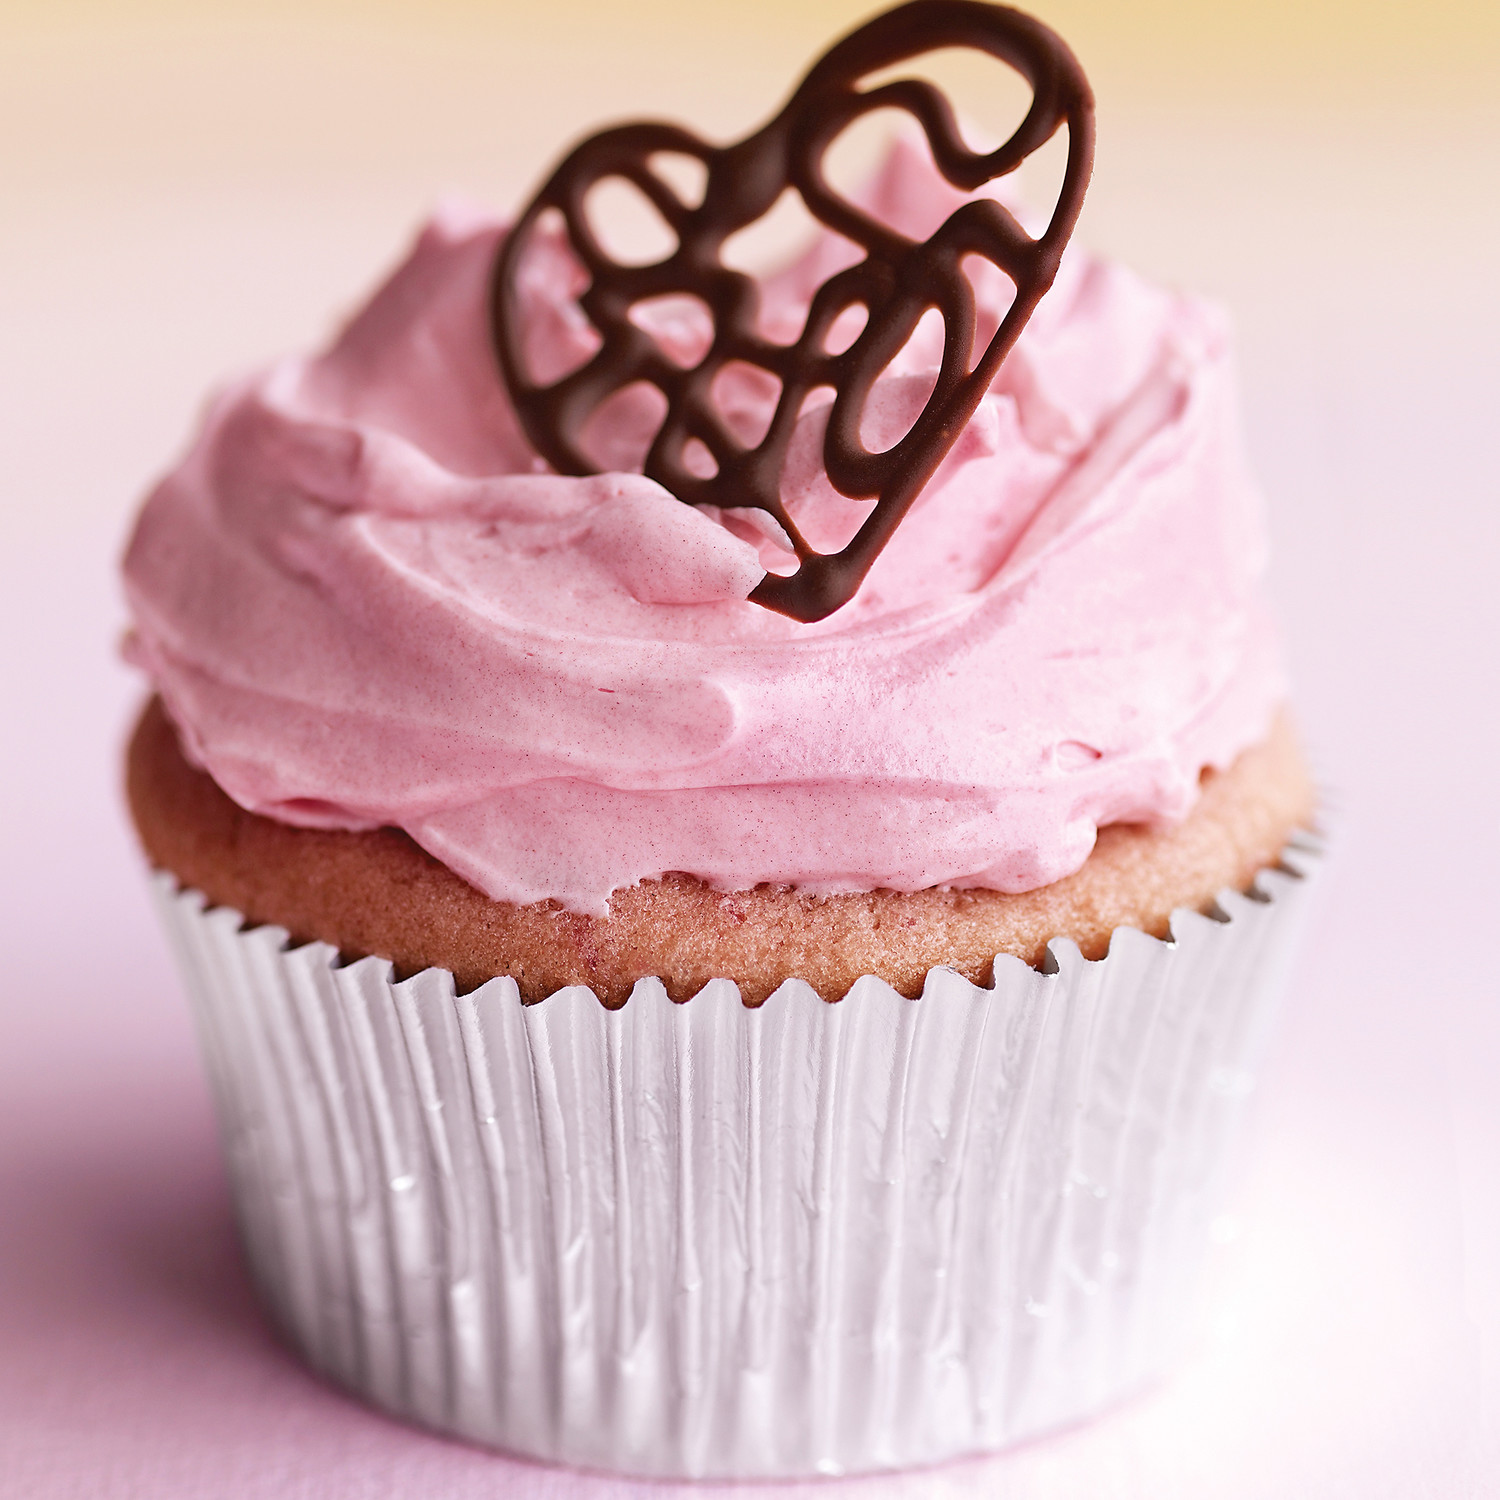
{"type": "Point", "coordinates": [707, 1240]}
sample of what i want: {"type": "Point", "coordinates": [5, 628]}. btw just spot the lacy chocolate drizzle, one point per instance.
{"type": "Point", "coordinates": [896, 283]}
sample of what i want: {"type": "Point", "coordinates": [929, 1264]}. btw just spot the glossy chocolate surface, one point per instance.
{"type": "Point", "coordinates": [897, 281]}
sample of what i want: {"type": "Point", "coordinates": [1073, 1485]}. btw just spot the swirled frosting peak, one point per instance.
{"type": "Point", "coordinates": [366, 602]}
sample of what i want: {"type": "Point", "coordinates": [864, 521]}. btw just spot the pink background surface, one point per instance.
{"type": "Point", "coordinates": [1351, 1344]}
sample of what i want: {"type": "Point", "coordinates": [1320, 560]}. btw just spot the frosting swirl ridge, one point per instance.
{"type": "Point", "coordinates": [366, 602]}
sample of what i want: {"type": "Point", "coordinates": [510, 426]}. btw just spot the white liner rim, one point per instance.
{"type": "Point", "coordinates": [711, 1240]}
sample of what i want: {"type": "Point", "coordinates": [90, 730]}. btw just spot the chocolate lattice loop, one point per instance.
{"type": "Point", "coordinates": [896, 282]}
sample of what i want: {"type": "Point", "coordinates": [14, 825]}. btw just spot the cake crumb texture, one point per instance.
{"type": "Point", "coordinates": [380, 893]}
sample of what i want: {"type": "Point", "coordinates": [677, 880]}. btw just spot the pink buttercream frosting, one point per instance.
{"type": "Point", "coordinates": [366, 602]}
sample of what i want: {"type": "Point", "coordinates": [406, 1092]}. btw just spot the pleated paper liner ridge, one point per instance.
{"type": "Point", "coordinates": [706, 1240]}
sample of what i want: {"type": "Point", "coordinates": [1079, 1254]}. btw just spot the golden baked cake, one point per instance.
{"type": "Point", "coordinates": [733, 836]}
{"type": "Point", "coordinates": [378, 892]}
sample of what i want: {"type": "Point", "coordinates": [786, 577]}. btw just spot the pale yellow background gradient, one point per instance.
{"type": "Point", "coordinates": [187, 190]}
{"type": "Point", "coordinates": [190, 188]}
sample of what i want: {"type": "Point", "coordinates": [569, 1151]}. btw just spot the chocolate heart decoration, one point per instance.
{"type": "Point", "coordinates": [898, 280]}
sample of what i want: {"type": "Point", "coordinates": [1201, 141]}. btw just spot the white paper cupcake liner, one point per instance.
{"type": "Point", "coordinates": [704, 1240]}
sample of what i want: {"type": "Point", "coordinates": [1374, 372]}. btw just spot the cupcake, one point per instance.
{"type": "Point", "coordinates": [657, 1033]}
